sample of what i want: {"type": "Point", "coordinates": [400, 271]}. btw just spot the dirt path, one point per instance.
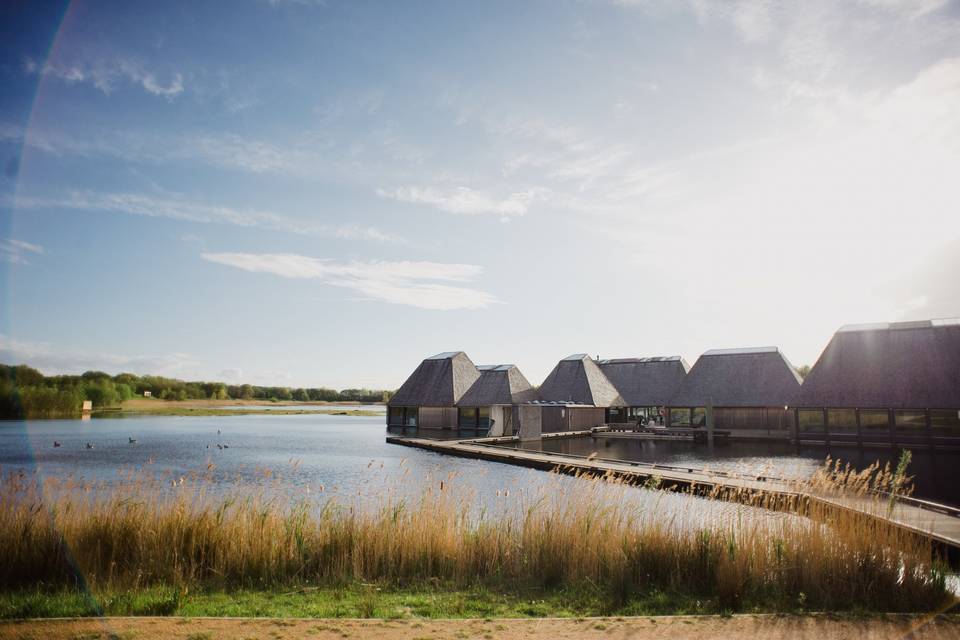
{"type": "Point", "coordinates": [746, 627]}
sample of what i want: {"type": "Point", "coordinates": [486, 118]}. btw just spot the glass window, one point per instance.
{"type": "Point", "coordinates": [874, 420]}
{"type": "Point", "coordinates": [396, 416]}
{"type": "Point", "coordinates": [468, 417]}
{"type": "Point", "coordinates": [483, 417]}
{"type": "Point", "coordinates": [699, 417]}
{"type": "Point", "coordinates": [842, 420]}
{"type": "Point", "coordinates": [811, 421]}
{"type": "Point", "coordinates": [679, 417]}
{"type": "Point", "coordinates": [945, 422]}
{"type": "Point", "coordinates": [909, 420]}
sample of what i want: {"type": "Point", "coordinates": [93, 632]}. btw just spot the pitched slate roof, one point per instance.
{"type": "Point", "coordinates": [439, 381]}
{"type": "Point", "coordinates": [888, 365]}
{"type": "Point", "coordinates": [645, 382]}
{"type": "Point", "coordinates": [579, 379]}
{"type": "Point", "coordinates": [498, 384]}
{"type": "Point", "coordinates": [754, 377]}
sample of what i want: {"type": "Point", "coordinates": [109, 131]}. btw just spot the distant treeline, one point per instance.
{"type": "Point", "coordinates": [27, 393]}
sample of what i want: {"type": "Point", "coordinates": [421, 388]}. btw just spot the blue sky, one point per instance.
{"type": "Point", "coordinates": [324, 193]}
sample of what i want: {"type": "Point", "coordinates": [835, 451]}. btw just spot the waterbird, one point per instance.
{"type": "Point", "coordinates": [56, 444]}
{"type": "Point", "coordinates": [89, 446]}
{"type": "Point", "coordinates": [218, 431]}
{"type": "Point", "coordinates": [132, 440]}
{"type": "Point", "coordinates": [219, 446]}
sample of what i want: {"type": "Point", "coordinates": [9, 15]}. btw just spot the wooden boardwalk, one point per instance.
{"type": "Point", "coordinates": [939, 523]}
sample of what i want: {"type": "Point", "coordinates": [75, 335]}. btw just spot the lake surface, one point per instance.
{"type": "Point", "coordinates": [347, 456]}
{"type": "Point", "coordinates": [312, 457]}
{"type": "Point", "coordinates": [936, 475]}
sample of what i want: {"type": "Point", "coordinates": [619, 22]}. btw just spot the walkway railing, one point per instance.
{"type": "Point", "coordinates": [900, 499]}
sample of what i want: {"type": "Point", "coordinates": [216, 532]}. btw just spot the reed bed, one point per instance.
{"type": "Point", "coordinates": [146, 531]}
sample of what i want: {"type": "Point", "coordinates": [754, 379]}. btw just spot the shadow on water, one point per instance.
{"type": "Point", "coordinates": [936, 474]}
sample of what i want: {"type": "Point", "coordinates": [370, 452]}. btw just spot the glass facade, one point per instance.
{"type": "Point", "coordinates": [945, 423]}
{"type": "Point", "coordinates": [699, 418]}
{"type": "Point", "coordinates": [402, 416]}
{"type": "Point", "coordinates": [483, 417]}
{"type": "Point", "coordinates": [395, 416]}
{"type": "Point", "coordinates": [679, 417]}
{"type": "Point", "coordinates": [811, 421]}
{"type": "Point", "coordinates": [842, 420]}
{"type": "Point", "coordinates": [467, 418]}
{"type": "Point", "coordinates": [909, 421]}
{"type": "Point", "coordinates": [874, 420]}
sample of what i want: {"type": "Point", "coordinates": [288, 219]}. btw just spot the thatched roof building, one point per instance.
{"type": "Point", "coordinates": [439, 381]}
{"type": "Point", "coordinates": [498, 384]}
{"type": "Point", "coordinates": [754, 377]}
{"type": "Point", "coordinates": [900, 365]}
{"type": "Point", "coordinates": [578, 379]}
{"type": "Point", "coordinates": [645, 382]}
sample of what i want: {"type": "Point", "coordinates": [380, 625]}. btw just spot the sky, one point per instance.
{"type": "Point", "coordinates": [323, 193]}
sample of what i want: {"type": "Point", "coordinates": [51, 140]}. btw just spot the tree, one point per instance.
{"type": "Point", "coordinates": [804, 371]}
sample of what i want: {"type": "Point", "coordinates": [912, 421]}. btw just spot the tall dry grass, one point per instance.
{"type": "Point", "coordinates": [144, 531]}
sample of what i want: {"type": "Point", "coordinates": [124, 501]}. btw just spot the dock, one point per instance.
{"type": "Point", "coordinates": [652, 433]}
{"type": "Point", "coordinates": [937, 522]}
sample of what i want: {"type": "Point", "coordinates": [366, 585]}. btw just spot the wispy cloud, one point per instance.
{"type": "Point", "coordinates": [416, 284]}
{"type": "Point", "coordinates": [179, 208]}
{"type": "Point", "coordinates": [16, 251]}
{"type": "Point", "coordinates": [105, 76]}
{"type": "Point", "coordinates": [462, 200]}
{"type": "Point", "coordinates": [54, 359]}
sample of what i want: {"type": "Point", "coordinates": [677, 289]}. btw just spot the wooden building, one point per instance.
{"type": "Point", "coordinates": [575, 395]}
{"type": "Point", "coordinates": [751, 391]}
{"type": "Point", "coordinates": [645, 384]}
{"type": "Point", "coordinates": [487, 406]}
{"type": "Point", "coordinates": [428, 399]}
{"type": "Point", "coordinates": [895, 383]}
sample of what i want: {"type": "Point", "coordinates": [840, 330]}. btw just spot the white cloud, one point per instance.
{"type": "Point", "coordinates": [462, 200]}
{"type": "Point", "coordinates": [16, 251]}
{"type": "Point", "coordinates": [104, 76]}
{"type": "Point", "coordinates": [416, 284]}
{"type": "Point", "coordinates": [176, 207]}
{"type": "Point", "coordinates": [56, 360]}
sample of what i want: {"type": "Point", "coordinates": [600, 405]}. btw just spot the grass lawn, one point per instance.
{"type": "Point", "coordinates": [360, 601]}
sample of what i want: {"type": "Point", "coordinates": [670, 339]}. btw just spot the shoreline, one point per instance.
{"type": "Point", "coordinates": [221, 408]}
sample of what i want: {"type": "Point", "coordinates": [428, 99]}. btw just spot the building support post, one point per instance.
{"type": "Point", "coordinates": [856, 412]}
{"type": "Point", "coordinates": [892, 424]}
{"type": "Point", "coordinates": [709, 416]}
{"type": "Point", "coordinates": [796, 426]}
{"type": "Point", "coordinates": [826, 427]}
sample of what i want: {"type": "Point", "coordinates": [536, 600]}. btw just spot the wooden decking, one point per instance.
{"type": "Point", "coordinates": [940, 523]}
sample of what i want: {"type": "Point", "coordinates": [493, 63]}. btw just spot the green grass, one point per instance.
{"type": "Point", "coordinates": [362, 601]}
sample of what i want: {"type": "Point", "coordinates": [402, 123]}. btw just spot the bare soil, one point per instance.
{"type": "Point", "coordinates": [746, 627]}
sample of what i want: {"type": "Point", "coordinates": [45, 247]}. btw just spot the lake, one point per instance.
{"type": "Point", "coordinates": [298, 456]}
{"type": "Point", "coordinates": [936, 475]}
{"type": "Point", "coordinates": [347, 455]}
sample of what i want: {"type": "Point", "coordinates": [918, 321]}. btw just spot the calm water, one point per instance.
{"type": "Point", "coordinates": [307, 456]}
{"type": "Point", "coordinates": [347, 455]}
{"type": "Point", "coordinates": [936, 475]}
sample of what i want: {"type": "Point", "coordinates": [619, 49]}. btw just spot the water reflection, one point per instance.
{"type": "Point", "coordinates": [936, 474]}
{"type": "Point", "coordinates": [302, 457]}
